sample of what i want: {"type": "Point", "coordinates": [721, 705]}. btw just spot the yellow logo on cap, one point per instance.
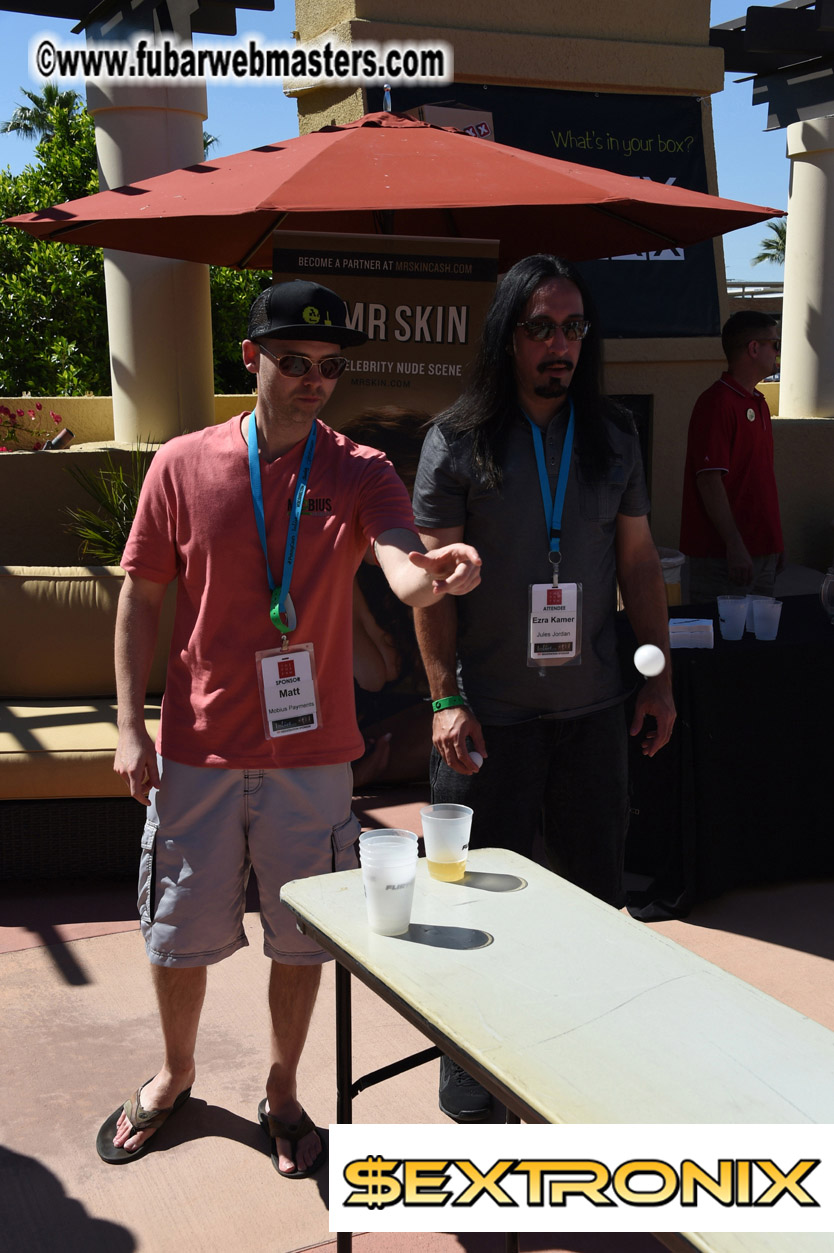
{"type": "Point", "coordinates": [312, 316]}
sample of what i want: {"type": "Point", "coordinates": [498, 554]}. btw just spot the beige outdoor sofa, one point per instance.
{"type": "Point", "coordinates": [58, 709]}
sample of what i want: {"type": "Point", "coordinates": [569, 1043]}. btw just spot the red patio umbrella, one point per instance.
{"type": "Point", "coordinates": [390, 174]}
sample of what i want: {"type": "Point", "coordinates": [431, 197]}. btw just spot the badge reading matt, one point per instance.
{"type": "Point", "coordinates": [287, 681]}
{"type": "Point", "coordinates": [555, 634]}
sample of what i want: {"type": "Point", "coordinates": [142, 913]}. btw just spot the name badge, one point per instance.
{"type": "Point", "coordinates": [288, 690]}
{"type": "Point", "coordinates": [555, 626]}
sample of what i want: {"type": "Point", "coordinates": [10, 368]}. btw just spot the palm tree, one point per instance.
{"type": "Point", "coordinates": [773, 247]}
{"type": "Point", "coordinates": [32, 121]}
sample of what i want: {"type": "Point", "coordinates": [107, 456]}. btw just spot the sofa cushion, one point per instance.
{"type": "Point", "coordinates": [62, 620]}
{"type": "Point", "coordinates": [53, 750]}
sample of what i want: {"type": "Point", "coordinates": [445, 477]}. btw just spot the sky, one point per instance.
{"type": "Point", "coordinates": [752, 165]}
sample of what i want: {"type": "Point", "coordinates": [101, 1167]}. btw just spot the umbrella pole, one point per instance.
{"type": "Point", "coordinates": [384, 221]}
{"type": "Point", "coordinates": [623, 217]}
{"type": "Point", "coordinates": [273, 226]}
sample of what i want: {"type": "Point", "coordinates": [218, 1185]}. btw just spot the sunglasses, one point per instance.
{"type": "Point", "coordinates": [293, 365]}
{"type": "Point", "coordinates": [777, 343]}
{"type": "Point", "coordinates": [540, 329]}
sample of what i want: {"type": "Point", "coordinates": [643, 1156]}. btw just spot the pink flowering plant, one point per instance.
{"type": "Point", "coordinates": [23, 429]}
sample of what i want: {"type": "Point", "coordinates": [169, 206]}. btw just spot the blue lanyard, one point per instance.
{"type": "Point", "coordinates": [553, 508]}
{"type": "Point", "coordinates": [280, 595]}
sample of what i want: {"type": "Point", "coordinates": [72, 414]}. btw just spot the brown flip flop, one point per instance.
{"type": "Point", "coordinates": [140, 1119]}
{"type": "Point", "coordinates": [292, 1131]}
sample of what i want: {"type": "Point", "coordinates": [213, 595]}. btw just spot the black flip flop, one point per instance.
{"type": "Point", "coordinates": [140, 1119]}
{"type": "Point", "coordinates": [292, 1131]}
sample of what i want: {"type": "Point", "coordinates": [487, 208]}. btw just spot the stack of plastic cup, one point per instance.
{"type": "Point", "coordinates": [389, 864]}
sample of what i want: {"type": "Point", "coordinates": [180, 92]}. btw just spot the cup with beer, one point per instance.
{"type": "Point", "coordinates": [446, 836]}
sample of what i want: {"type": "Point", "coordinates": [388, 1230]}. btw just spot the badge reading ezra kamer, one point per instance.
{"type": "Point", "coordinates": [555, 624]}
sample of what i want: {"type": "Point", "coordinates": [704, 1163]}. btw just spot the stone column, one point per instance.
{"type": "Point", "coordinates": [158, 311]}
{"type": "Point", "coordinates": [807, 371]}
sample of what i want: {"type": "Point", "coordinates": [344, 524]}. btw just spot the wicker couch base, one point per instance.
{"type": "Point", "coordinates": [55, 839]}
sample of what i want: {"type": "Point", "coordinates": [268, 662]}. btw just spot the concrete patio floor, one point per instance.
{"type": "Point", "coordinates": [79, 1033]}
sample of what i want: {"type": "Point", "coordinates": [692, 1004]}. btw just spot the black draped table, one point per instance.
{"type": "Point", "coordinates": [742, 793]}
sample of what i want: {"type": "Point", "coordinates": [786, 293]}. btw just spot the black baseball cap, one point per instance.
{"type": "Point", "coordinates": [302, 310]}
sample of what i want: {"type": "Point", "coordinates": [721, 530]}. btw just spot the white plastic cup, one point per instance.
{"type": "Point", "coordinates": [386, 835]}
{"type": "Point", "coordinates": [446, 831]}
{"type": "Point", "coordinates": [732, 615]}
{"type": "Point", "coordinates": [388, 869]}
{"type": "Point", "coordinates": [749, 624]}
{"type": "Point", "coordinates": [367, 837]}
{"type": "Point", "coordinates": [766, 614]}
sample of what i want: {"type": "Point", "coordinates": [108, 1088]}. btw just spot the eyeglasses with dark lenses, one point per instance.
{"type": "Point", "coordinates": [540, 329]}
{"type": "Point", "coordinates": [777, 343]}
{"type": "Point", "coordinates": [293, 365]}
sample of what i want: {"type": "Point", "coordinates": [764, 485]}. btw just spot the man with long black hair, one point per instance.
{"type": "Point", "coordinates": [543, 475]}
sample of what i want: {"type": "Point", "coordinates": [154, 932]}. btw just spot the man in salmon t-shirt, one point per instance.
{"type": "Point", "coordinates": [262, 521]}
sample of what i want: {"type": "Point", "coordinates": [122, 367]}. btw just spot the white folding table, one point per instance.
{"type": "Point", "coordinates": [565, 1009]}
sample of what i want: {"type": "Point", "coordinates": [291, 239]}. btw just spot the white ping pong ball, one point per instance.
{"type": "Point", "coordinates": [649, 660]}
{"type": "Point", "coordinates": [476, 758]}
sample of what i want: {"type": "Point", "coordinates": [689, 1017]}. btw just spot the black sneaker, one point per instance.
{"type": "Point", "coordinates": [460, 1096]}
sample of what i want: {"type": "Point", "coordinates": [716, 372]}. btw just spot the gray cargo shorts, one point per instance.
{"type": "Point", "coordinates": [206, 828]}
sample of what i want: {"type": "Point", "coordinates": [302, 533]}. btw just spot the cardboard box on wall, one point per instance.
{"type": "Point", "coordinates": [476, 122]}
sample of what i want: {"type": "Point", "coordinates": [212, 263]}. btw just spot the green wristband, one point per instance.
{"type": "Point", "coordinates": [447, 702]}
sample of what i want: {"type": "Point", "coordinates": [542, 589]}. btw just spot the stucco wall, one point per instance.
{"type": "Point", "coordinates": [804, 450]}
{"type": "Point", "coordinates": [600, 45]}
{"type": "Point", "coordinates": [36, 488]}
{"type": "Point", "coordinates": [90, 418]}
{"type": "Point", "coordinates": [655, 21]}
{"type": "Point", "coordinates": [35, 491]}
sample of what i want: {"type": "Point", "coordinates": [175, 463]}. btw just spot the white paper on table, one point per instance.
{"type": "Point", "coordinates": [691, 633]}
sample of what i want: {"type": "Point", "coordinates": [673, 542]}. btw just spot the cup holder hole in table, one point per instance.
{"type": "Point", "coordinates": [446, 937]}
{"type": "Point", "coordinates": [484, 881]}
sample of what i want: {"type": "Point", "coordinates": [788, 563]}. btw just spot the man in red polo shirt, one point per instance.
{"type": "Point", "coordinates": [730, 527]}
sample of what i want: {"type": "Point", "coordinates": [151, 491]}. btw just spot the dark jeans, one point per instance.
{"type": "Point", "coordinates": [569, 775]}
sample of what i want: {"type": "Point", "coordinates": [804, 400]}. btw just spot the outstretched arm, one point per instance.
{"type": "Point", "coordinates": [419, 577]}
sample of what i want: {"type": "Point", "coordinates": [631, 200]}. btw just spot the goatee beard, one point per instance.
{"type": "Point", "coordinates": [552, 388]}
